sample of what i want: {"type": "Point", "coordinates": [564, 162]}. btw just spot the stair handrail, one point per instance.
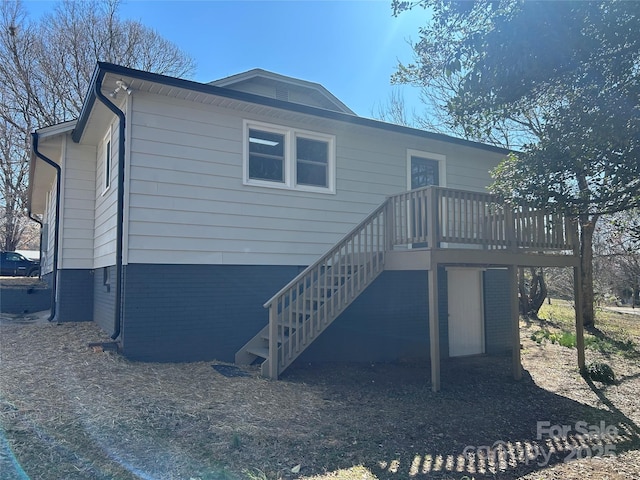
{"type": "Point", "coordinates": [336, 247]}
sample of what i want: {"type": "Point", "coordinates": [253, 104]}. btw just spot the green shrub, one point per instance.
{"type": "Point", "coordinates": [567, 340]}
{"type": "Point", "coordinates": [601, 372]}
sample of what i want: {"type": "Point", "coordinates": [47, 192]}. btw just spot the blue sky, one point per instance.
{"type": "Point", "coordinates": [350, 47]}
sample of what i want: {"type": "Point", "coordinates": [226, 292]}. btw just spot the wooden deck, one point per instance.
{"type": "Point", "coordinates": [416, 230]}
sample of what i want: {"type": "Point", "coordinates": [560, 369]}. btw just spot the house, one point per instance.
{"type": "Point", "coordinates": [257, 217]}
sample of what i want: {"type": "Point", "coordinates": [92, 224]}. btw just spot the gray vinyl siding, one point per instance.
{"type": "Point", "coordinates": [188, 204]}
{"type": "Point", "coordinates": [195, 312]}
{"type": "Point", "coordinates": [105, 211]}
{"type": "Point", "coordinates": [104, 298]}
{"type": "Point", "coordinates": [47, 249]}
{"type": "Point", "coordinates": [78, 206]}
{"type": "Point", "coordinates": [75, 295]}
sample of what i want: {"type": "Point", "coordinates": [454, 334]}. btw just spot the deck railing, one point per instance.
{"type": "Point", "coordinates": [429, 217]}
{"type": "Point", "coordinates": [438, 217]}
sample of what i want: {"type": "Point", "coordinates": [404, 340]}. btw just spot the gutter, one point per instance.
{"type": "Point", "coordinates": [54, 283]}
{"type": "Point", "coordinates": [97, 94]}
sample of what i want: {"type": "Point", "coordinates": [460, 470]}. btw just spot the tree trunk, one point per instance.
{"type": "Point", "coordinates": [522, 291]}
{"type": "Point", "coordinates": [586, 263]}
{"type": "Point", "coordinates": [541, 291]}
{"type": "Point", "coordinates": [531, 296]}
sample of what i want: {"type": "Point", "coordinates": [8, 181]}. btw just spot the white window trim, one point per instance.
{"type": "Point", "coordinates": [245, 150]}
{"type": "Point", "coordinates": [442, 165]}
{"type": "Point", "coordinates": [290, 158]}
{"type": "Point", "coordinates": [107, 171]}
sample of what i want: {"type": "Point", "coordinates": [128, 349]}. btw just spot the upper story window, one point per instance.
{"type": "Point", "coordinates": [282, 157]}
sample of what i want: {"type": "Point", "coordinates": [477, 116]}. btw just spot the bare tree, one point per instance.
{"type": "Point", "coordinates": [394, 110]}
{"type": "Point", "coordinates": [45, 70]}
{"type": "Point", "coordinates": [617, 252]}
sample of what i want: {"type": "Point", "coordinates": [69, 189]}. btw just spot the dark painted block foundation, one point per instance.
{"type": "Point", "coordinates": [388, 322]}
{"type": "Point", "coordinates": [176, 313]}
{"type": "Point", "coordinates": [104, 298]}
{"type": "Point", "coordinates": [75, 296]}
{"type": "Point", "coordinates": [25, 299]}
{"type": "Point", "coordinates": [497, 311]}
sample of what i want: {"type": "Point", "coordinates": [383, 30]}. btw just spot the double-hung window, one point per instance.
{"type": "Point", "coordinates": [312, 162]}
{"type": "Point", "coordinates": [266, 156]}
{"type": "Point", "coordinates": [288, 158]}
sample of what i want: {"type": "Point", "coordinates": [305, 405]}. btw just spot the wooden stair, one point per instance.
{"type": "Point", "coordinates": [306, 306]}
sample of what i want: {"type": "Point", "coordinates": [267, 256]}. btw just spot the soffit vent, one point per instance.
{"type": "Point", "coordinates": [282, 93]}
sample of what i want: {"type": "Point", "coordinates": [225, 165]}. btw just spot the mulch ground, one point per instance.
{"type": "Point", "coordinates": [74, 412]}
{"type": "Point", "coordinates": [21, 282]}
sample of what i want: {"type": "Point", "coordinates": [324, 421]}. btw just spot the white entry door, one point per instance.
{"type": "Point", "coordinates": [466, 311]}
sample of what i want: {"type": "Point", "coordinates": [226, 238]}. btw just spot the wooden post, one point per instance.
{"type": "Point", "coordinates": [434, 327]}
{"type": "Point", "coordinates": [577, 295]}
{"type": "Point", "coordinates": [515, 322]}
{"type": "Point", "coordinates": [432, 218]}
{"type": "Point", "coordinates": [273, 340]}
{"type": "Point", "coordinates": [389, 225]}
{"type": "Point", "coordinates": [510, 228]}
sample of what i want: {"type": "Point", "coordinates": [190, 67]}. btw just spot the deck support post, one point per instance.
{"type": "Point", "coordinates": [434, 330]}
{"type": "Point", "coordinates": [515, 322]}
{"type": "Point", "coordinates": [577, 294]}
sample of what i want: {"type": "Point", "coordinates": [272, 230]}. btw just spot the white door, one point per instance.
{"type": "Point", "coordinates": [466, 311]}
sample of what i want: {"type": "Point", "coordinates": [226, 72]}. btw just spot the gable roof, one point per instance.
{"type": "Point", "coordinates": [284, 88]}
{"type": "Point", "coordinates": [169, 85]}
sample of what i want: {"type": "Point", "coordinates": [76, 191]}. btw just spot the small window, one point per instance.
{"type": "Point", "coordinates": [312, 162]}
{"type": "Point", "coordinates": [107, 165]}
{"type": "Point", "coordinates": [266, 156]}
{"type": "Point", "coordinates": [424, 172]}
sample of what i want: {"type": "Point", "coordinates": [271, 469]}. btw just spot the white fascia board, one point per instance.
{"type": "Point", "coordinates": [58, 129]}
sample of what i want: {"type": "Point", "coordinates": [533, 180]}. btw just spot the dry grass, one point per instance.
{"type": "Point", "coordinates": [21, 282]}
{"type": "Point", "coordinates": [69, 411]}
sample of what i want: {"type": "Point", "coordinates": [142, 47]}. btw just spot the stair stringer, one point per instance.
{"type": "Point", "coordinates": [327, 321]}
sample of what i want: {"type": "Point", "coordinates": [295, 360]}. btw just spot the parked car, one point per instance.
{"type": "Point", "coordinates": [12, 264]}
